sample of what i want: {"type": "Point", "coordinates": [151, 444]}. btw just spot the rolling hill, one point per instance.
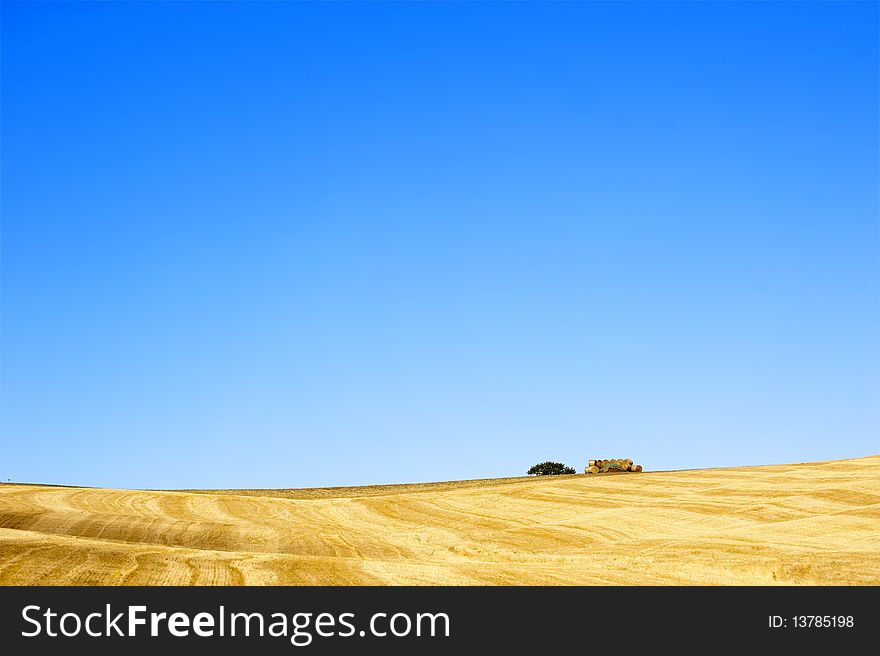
{"type": "Point", "coordinates": [813, 523]}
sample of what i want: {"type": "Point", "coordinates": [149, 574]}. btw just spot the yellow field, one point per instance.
{"type": "Point", "coordinates": [816, 523]}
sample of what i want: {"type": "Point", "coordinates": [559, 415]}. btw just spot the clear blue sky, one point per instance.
{"type": "Point", "coordinates": [282, 245]}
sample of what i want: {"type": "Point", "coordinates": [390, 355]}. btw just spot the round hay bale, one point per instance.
{"type": "Point", "coordinates": [590, 463]}
{"type": "Point", "coordinates": [594, 469]}
{"type": "Point", "coordinates": [637, 468]}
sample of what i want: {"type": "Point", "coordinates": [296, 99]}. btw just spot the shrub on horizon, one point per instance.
{"type": "Point", "coordinates": [549, 468]}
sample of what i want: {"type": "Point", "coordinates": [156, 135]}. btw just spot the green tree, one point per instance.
{"type": "Point", "coordinates": [549, 469]}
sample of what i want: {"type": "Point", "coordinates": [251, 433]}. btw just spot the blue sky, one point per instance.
{"type": "Point", "coordinates": [283, 245]}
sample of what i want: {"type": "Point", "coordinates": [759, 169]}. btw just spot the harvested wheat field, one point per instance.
{"type": "Point", "coordinates": [816, 523]}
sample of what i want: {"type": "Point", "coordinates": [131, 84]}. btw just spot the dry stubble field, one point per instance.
{"type": "Point", "coordinates": [815, 523]}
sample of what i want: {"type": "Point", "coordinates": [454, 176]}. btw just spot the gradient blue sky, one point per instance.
{"type": "Point", "coordinates": [282, 245]}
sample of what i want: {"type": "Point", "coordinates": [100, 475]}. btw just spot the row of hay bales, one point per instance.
{"type": "Point", "coordinates": [605, 466]}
